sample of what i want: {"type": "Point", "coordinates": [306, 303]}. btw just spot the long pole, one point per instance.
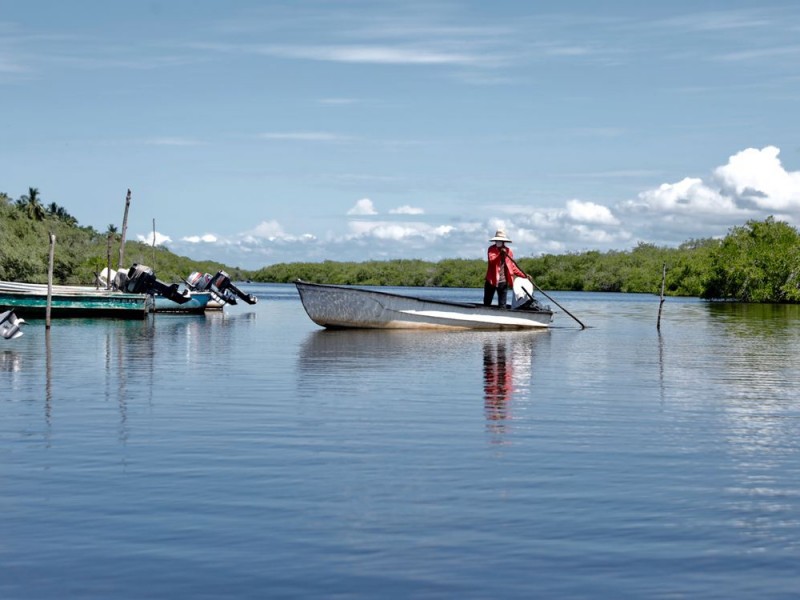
{"type": "Point", "coordinates": [661, 303]}
{"type": "Point", "coordinates": [50, 280]}
{"type": "Point", "coordinates": [154, 244]}
{"type": "Point", "coordinates": [120, 264]}
{"type": "Point", "coordinates": [577, 320]}
{"type": "Point", "coordinates": [108, 260]}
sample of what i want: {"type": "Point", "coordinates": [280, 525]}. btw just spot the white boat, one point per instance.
{"type": "Point", "coordinates": [197, 304]}
{"type": "Point", "coordinates": [340, 306]}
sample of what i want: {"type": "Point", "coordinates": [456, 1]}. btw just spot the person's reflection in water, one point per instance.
{"type": "Point", "coordinates": [497, 384]}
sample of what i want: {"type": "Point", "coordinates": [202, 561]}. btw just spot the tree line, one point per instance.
{"type": "Point", "coordinates": [81, 252]}
{"type": "Point", "coordinates": [756, 262]}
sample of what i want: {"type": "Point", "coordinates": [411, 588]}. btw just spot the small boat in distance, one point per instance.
{"type": "Point", "coordinates": [196, 304]}
{"type": "Point", "coordinates": [340, 306]}
{"type": "Point", "coordinates": [221, 288]}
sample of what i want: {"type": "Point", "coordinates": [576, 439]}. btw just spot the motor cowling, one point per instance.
{"type": "Point", "coordinates": [221, 285]}
{"type": "Point", "coordinates": [200, 282]}
{"type": "Point", "coordinates": [141, 279]}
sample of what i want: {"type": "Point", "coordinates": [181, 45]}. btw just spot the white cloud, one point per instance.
{"type": "Point", "coordinates": [757, 178]}
{"type": "Point", "coordinates": [751, 184]}
{"type": "Point", "coordinates": [589, 212]}
{"type": "Point", "coordinates": [362, 208]}
{"type": "Point", "coordinates": [688, 196]}
{"type": "Point", "coordinates": [268, 230]}
{"type": "Point", "coordinates": [160, 238]}
{"type": "Point", "coordinates": [207, 238]}
{"type": "Point", "coordinates": [407, 210]}
{"type": "Point", "coordinates": [383, 230]}
{"type": "Point", "coordinates": [376, 54]}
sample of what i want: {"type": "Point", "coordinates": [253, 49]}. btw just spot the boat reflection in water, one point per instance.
{"type": "Point", "coordinates": [507, 373]}
{"type": "Point", "coordinates": [493, 366]}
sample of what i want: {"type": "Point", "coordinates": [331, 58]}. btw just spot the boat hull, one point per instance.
{"type": "Point", "coordinates": [197, 304]}
{"type": "Point", "coordinates": [335, 307]}
{"type": "Point", "coordinates": [117, 306]}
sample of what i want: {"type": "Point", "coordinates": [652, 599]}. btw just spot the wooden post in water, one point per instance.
{"type": "Point", "coordinates": [120, 264]}
{"type": "Point", "coordinates": [50, 280]}
{"type": "Point", "coordinates": [661, 303]}
{"type": "Point", "coordinates": [108, 260]}
{"type": "Point", "coordinates": [154, 244]}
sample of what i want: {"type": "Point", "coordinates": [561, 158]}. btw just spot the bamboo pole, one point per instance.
{"type": "Point", "coordinates": [154, 244]}
{"type": "Point", "coordinates": [108, 260]}
{"type": "Point", "coordinates": [120, 264]}
{"type": "Point", "coordinates": [661, 303]}
{"type": "Point", "coordinates": [50, 261]}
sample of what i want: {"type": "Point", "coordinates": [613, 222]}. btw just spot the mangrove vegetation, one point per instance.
{"type": "Point", "coordinates": [755, 262]}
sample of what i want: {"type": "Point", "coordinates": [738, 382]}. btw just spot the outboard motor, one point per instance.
{"type": "Point", "coordinates": [200, 282]}
{"type": "Point", "coordinates": [220, 285]}
{"type": "Point", "coordinates": [141, 279]}
{"type": "Point", "coordinates": [222, 282]}
{"type": "Point", "coordinates": [10, 325]}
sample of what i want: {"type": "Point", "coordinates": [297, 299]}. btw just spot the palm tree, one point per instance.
{"type": "Point", "coordinates": [31, 205]}
{"type": "Point", "coordinates": [60, 213]}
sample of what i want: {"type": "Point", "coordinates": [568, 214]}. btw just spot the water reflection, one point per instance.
{"type": "Point", "coordinates": [507, 374]}
{"type": "Point", "coordinates": [497, 380]}
{"type": "Point", "coordinates": [493, 366]}
{"type": "Point", "coordinates": [48, 387]}
{"type": "Point", "coordinates": [756, 379]}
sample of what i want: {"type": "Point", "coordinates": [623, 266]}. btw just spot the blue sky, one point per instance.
{"type": "Point", "coordinates": [257, 132]}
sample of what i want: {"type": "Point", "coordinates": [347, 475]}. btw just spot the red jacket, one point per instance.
{"type": "Point", "coordinates": [495, 264]}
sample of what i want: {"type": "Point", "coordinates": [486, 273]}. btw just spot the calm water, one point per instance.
{"type": "Point", "coordinates": [254, 455]}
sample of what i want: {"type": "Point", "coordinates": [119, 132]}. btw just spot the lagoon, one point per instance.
{"type": "Point", "coordinates": [251, 454]}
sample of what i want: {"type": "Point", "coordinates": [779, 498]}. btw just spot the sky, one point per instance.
{"type": "Point", "coordinates": [258, 132]}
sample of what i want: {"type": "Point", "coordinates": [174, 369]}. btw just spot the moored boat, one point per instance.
{"type": "Point", "coordinates": [339, 306]}
{"type": "Point", "coordinates": [222, 289]}
{"type": "Point", "coordinates": [30, 300]}
{"type": "Point", "coordinates": [197, 304]}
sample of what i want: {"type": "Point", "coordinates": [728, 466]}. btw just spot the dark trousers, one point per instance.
{"type": "Point", "coordinates": [489, 290]}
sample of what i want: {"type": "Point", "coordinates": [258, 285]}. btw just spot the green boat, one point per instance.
{"type": "Point", "coordinates": [29, 300]}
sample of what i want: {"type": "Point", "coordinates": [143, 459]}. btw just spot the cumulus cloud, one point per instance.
{"type": "Point", "coordinates": [397, 231]}
{"type": "Point", "coordinates": [362, 208]}
{"type": "Point", "coordinates": [268, 230]}
{"type": "Point", "coordinates": [589, 212]}
{"type": "Point", "coordinates": [208, 238]}
{"type": "Point", "coordinates": [757, 177]}
{"type": "Point", "coordinates": [271, 231]}
{"type": "Point", "coordinates": [752, 183]}
{"type": "Point", "coordinates": [160, 238]}
{"type": "Point", "coordinates": [407, 210]}
{"type": "Point", "coordinates": [689, 196]}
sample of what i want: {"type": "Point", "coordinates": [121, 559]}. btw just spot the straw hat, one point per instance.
{"type": "Point", "coordinates": [500, 236]}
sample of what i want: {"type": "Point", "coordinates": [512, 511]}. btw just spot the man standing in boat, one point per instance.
{"type": "Point", "coordinates": [501, 271]}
